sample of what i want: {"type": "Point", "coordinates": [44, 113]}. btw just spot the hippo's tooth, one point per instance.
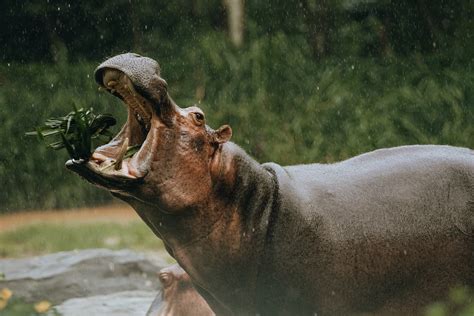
{"type": "Point", "coordinates": [111, 83]}
{"type": "Point", "coordinates": [143, 110]}
{"type": "Point", "coordinates": [123, 150]}
{"type": "Point", "coordinates": [134, 104]}
{"type": "Point", "coordinates": [117, 82]}
{"type": "Point", "coordinates": [111, 75]}
{"type": "Point", "coordinates": [131, 97]}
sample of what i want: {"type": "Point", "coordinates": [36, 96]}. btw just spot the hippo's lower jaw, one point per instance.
{"type": "Point", "coordinates": [90, 171]}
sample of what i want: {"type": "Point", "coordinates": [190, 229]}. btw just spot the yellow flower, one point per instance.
{"type": "Point", "coordinates": [42, 307]}
{"type": "Point", "coordinates": [5, 294]}
{"type": "Point", "coordinates": [3, 303]}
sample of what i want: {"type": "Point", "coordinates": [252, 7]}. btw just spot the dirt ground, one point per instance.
{"type": "Point", "coordinates": [117, 213]}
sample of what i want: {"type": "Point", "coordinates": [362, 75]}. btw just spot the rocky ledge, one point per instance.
{"type": "Point", "coordinates": [86, 282]}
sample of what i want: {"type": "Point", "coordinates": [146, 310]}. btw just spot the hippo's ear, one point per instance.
{"type": "Point", "coordinates": [223, 134]}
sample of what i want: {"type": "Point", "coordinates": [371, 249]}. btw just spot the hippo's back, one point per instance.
{"type": "Point", "coordinates": [413, 186]}
{"type": "Point", "coordinates": [385, 231]}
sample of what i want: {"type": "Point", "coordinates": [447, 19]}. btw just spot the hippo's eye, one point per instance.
{"type": "Point", "coordinates": [198, 118]}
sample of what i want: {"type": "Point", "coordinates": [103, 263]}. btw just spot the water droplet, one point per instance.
{"type": "Point", "coordinates": [52, 85]}
{"type": "Point", "coordinates": [8, 64]}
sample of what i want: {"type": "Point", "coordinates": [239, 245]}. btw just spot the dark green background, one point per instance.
{"type": "Point", "coordinates": [389, 73]}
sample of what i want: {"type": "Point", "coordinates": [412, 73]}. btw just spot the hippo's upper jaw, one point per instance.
{"type": "Point", "coordinates": [136, 80]}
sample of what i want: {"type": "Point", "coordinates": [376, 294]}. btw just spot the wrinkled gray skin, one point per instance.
{"type": "Point", "coordinates": [383, 233]}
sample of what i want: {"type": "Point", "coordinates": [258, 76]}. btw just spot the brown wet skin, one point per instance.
{"type": "Point", "coordinates": [383, 233]}
{"type": "Point", "coordinates": [178, 296]}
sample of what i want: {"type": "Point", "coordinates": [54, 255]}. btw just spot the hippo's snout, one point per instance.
{"type": "Point", "coordinates": [142, 71]}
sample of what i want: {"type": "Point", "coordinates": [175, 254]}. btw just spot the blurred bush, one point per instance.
{"type": "Point", "coordinates": [282, 106]}
{"type": "Point", "coordinates": [386, 76]}
{"type": "Point", "coordinates": [459, 303]}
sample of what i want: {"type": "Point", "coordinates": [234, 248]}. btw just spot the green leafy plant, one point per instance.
{"type": "Point", "coordinates": [76, 131]}
{"type": "Point", "coordinates": [460, 302]}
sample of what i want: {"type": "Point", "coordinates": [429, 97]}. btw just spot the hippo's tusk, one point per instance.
{"type": "Point", "coordinates": [123, 150]}
{"type": "Point", "coordinates": [135, 100]}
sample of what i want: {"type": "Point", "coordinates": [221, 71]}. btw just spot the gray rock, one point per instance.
{"type": "Point", "coordinates": [128, 303]}
{"type": "Point", "coordinates": [75, 274]}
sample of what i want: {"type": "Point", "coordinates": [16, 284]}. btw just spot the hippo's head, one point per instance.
{"type": "Point", "coordinates": [177, 152]}
{"type": "Point", "coordinates": [178, 296]}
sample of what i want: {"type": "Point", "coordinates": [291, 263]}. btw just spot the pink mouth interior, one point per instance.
{"type": "Point", "coordinates": [123, 156]}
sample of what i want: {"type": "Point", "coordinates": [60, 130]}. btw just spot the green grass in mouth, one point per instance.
{"type": "Point", "coordinates": [76, 132]}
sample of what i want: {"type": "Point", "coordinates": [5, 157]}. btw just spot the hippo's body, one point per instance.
{"type": "Point", "coordinates": [387, 232]}
{"type": "Point", "coordinates": [383, 233]}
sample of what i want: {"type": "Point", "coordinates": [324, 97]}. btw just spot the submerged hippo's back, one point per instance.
{"type": "Point", "coordinates": [390, 229]}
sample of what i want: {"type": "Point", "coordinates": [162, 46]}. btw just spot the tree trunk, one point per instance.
{"type": "Point", "coordinates": [57, 47]}
{"type": "Point", "coordinates": [318, 19]}
{"type": "Point", "coordinates": [235, 21]}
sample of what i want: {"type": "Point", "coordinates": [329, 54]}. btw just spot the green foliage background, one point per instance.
{"type": "Point", "coordinates": [284, 103]}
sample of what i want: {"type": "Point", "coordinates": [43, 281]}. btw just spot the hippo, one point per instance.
{"type": "Point", "coordinates": [178, 296]}
{"type": "Point", "coordinates": [386, 232]}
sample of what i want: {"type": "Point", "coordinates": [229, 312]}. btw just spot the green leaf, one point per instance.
{"type": "Point", "coordinates": [76, 131]}
{"type": "Point", "coordinates": [68, 146]}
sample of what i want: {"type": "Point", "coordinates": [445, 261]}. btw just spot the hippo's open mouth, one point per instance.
{"type": "Point", "coordinates": [126, 158]}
